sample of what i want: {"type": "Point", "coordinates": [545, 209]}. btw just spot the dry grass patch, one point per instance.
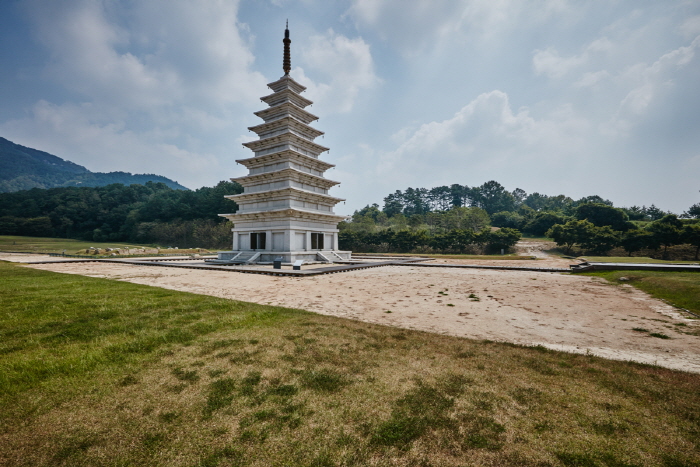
{"type": "Point", "coordinates": [258, 386]}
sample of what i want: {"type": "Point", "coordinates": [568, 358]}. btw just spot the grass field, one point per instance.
{"type": "Point", "coordinates": [70, 246]}
{"type": "Point", "coordinates": [54, 245]}
{"type": "Point", "coordinates": [633, 259]}
{"type": "Point", "coordinates": [96, 372]}
{"type": "Point", "coordinates": [682, 289]}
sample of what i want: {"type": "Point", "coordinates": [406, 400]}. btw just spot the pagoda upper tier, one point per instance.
{"type": "Point", "coordinates": [285, 168]}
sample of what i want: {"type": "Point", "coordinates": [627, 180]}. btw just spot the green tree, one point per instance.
{"type": "Point", "coordinates": [653, 213]}
{"type": "Point", "coordinates": [635, 240]}
{"type": "Point", "coordinates": [600, 215]}
{"type": "Point", "coordinates": [416, 201]}
{"type": "Point", "coordinates": [440, 198]}
{"type": "Point", "coordinates": [691, 235]}
{"type": "Point", "coordinates": [394, 204]}
{"type": "Point", "coordinates": [474, 219]}
{"type": "Point", "coordinates": [693, 212]}
{"type": "Point", "coordinates": [593, 199]}
{"type": "Point", "coordinates": [667, 232]}
{"type": "Point", "coordinates": [407, 240]}
{"type": "Point", "coordinates": [398, 222]}
{"type": "Point", "coordinates": [635, 213]}
{"type": "Point", "coordinates": [542, 222]}
{"type": "Point", "coordinates": [503, 239]}
{"type": "Point", "coordinates": [572, 233]}
{"type": "Point", "coordinates": [508, 219]}
{"type": "Point", "coordinates": [460, 195]}
{"type": "Point", "coordinates": [540, 202]}
{"type": "Point", "coordinates": [601, 240]}
{"type": "Point", "coordinates": [492, 197]}
{"type": "Point", "coordinates": [416, 220]}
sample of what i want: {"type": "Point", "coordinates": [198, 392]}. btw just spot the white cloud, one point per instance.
{"type": "Point", "coordinates": [414, 25]}
{"type": "Point", "coordinates": [68, 131]}
{"type": "Point", "coordinates": [549, 62]}
{"type": "Point", "coordinates": [113, 54]}
{"type": "Point", "coordinates": [409, 22]}
{"type": "Point", "coordinates": [645, 84]}
{"type": "Point", "coordinates": [690, 27]}
{"type": "Point", "coordinates": [591, 78]}
{"type": "Point", "coordinates": [157, 81]}
{"type": "Point", "coordinates": [340, 68]}
{"type": "Point", "coordinates": [485, 138]}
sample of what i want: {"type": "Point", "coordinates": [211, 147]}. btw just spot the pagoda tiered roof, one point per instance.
{"type": "Point", "coordinates": [285, 214]}
{"type": "Point", "coordinates": [285, 192]}
{"type": "Point", "coordinates": [286, 82]}
{"type": "Point", "coordinates": [286, 95]}
{"type": "Point", "coordinates": [284, 109]}
{"type": "Point", "coordinates": [285, 122]}
{"type": "Point", "coordinates": [292, 139]}
{"type": "Point", "coordinates": [284, 175]}
{"type": "Point", "coordinates": [284, 156]}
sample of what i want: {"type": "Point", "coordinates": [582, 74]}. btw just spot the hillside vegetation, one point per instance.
{"type": "Point", "coordinates": [23, 168]}
{"type": "Point", "coordinates": [146, 214]}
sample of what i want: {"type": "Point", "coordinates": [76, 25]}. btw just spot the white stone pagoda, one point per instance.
{"type": "Point", "coordinates": [285, 210]}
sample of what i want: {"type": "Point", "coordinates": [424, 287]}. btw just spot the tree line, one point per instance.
{"type": "Point", "coordinates": [148, 213]}
{"type": "Point", "coordinates": [456, 230]}
{"type": "Point", "coordinates": [454, 219]}
{"type": "Point", "coordinates": [428, 219]}
{"type": "Point", "coordinates": [494, 198]}
{"type": "Point", "coordinates": [600, 238]}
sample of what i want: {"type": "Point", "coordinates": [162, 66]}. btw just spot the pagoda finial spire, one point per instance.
{"type": "Point", "coordinates": [287, 62]}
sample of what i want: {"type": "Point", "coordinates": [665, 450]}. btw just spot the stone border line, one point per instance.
{"type": "Point", "coordinates": [351, 265]}
{"type": "Point", "coordinates": [348, 266]}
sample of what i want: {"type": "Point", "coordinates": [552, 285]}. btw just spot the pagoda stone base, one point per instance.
{"type": "Point", "coordinates": [288, 257]}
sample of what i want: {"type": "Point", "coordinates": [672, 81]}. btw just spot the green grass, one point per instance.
{"type": "Point", "coordinates": [96, 372]}
{"type": "Point", "coordinates": [681, 289]}
{"type": "Point", "coordinates": [55, 245]}
{"type": "Point", "coordinates": [71, 247]}
{"type": "Point", "coordinates": [628, 259]}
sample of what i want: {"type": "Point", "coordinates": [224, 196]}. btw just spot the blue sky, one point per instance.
{"type": "Point", "coordinates": [551, 96]}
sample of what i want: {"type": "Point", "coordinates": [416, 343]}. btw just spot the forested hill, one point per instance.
{"type": "Point", "coordinates": [23, 168]}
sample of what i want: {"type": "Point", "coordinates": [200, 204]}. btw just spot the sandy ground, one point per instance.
{"type": "Point", "coordinates": [560, 311]}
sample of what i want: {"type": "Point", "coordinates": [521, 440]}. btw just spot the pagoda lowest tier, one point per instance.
{"type": "Point", "coordinates": [285, 210]}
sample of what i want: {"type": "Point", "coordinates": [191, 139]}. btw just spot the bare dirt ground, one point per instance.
{"type": "Point", "coordinates": [559, 311]}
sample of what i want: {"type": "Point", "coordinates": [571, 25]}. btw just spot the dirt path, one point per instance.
{"type": "Point", "coordinates": [560, 311]}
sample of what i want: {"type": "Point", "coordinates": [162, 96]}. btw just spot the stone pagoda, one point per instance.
{"type": "Point", "coordinates": [285, 210]}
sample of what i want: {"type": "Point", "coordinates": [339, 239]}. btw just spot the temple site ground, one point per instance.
{"type": "Point", "coordinates": [565, 312]}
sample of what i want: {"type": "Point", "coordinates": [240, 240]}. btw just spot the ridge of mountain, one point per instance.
{"type": "Point", "coordinates": [23, 168]}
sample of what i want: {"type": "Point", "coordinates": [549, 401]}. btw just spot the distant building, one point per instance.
{"type": "Point", "coordinates": [285, 209]}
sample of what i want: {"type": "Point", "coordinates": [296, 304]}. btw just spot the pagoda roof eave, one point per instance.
{"type": "Point", "coordinates": [282, 191]}
{"type": "Point", "coordinates": [288, 120]}
{"type": "Point", "coordinates": [286, 108]}
{"type": "Point", "coordinates": [272, 141]}
{"type": "Point", "coordinates": [286, 80]}
{"type": "Point", "coordinates": [286, 212]}
{"type": "Point", "coordinates": [284, 173]}
{"type": "Point", "coordinates": [291, 97]}
{"type": "Point", "coordinates": [312, 162]}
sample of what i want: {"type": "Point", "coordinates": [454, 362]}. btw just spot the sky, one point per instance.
{"type": "Point", "coordinates": [597, 97]}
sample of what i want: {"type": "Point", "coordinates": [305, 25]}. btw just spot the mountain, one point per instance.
{"type": "Point", "coordinates": [24, 168]}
